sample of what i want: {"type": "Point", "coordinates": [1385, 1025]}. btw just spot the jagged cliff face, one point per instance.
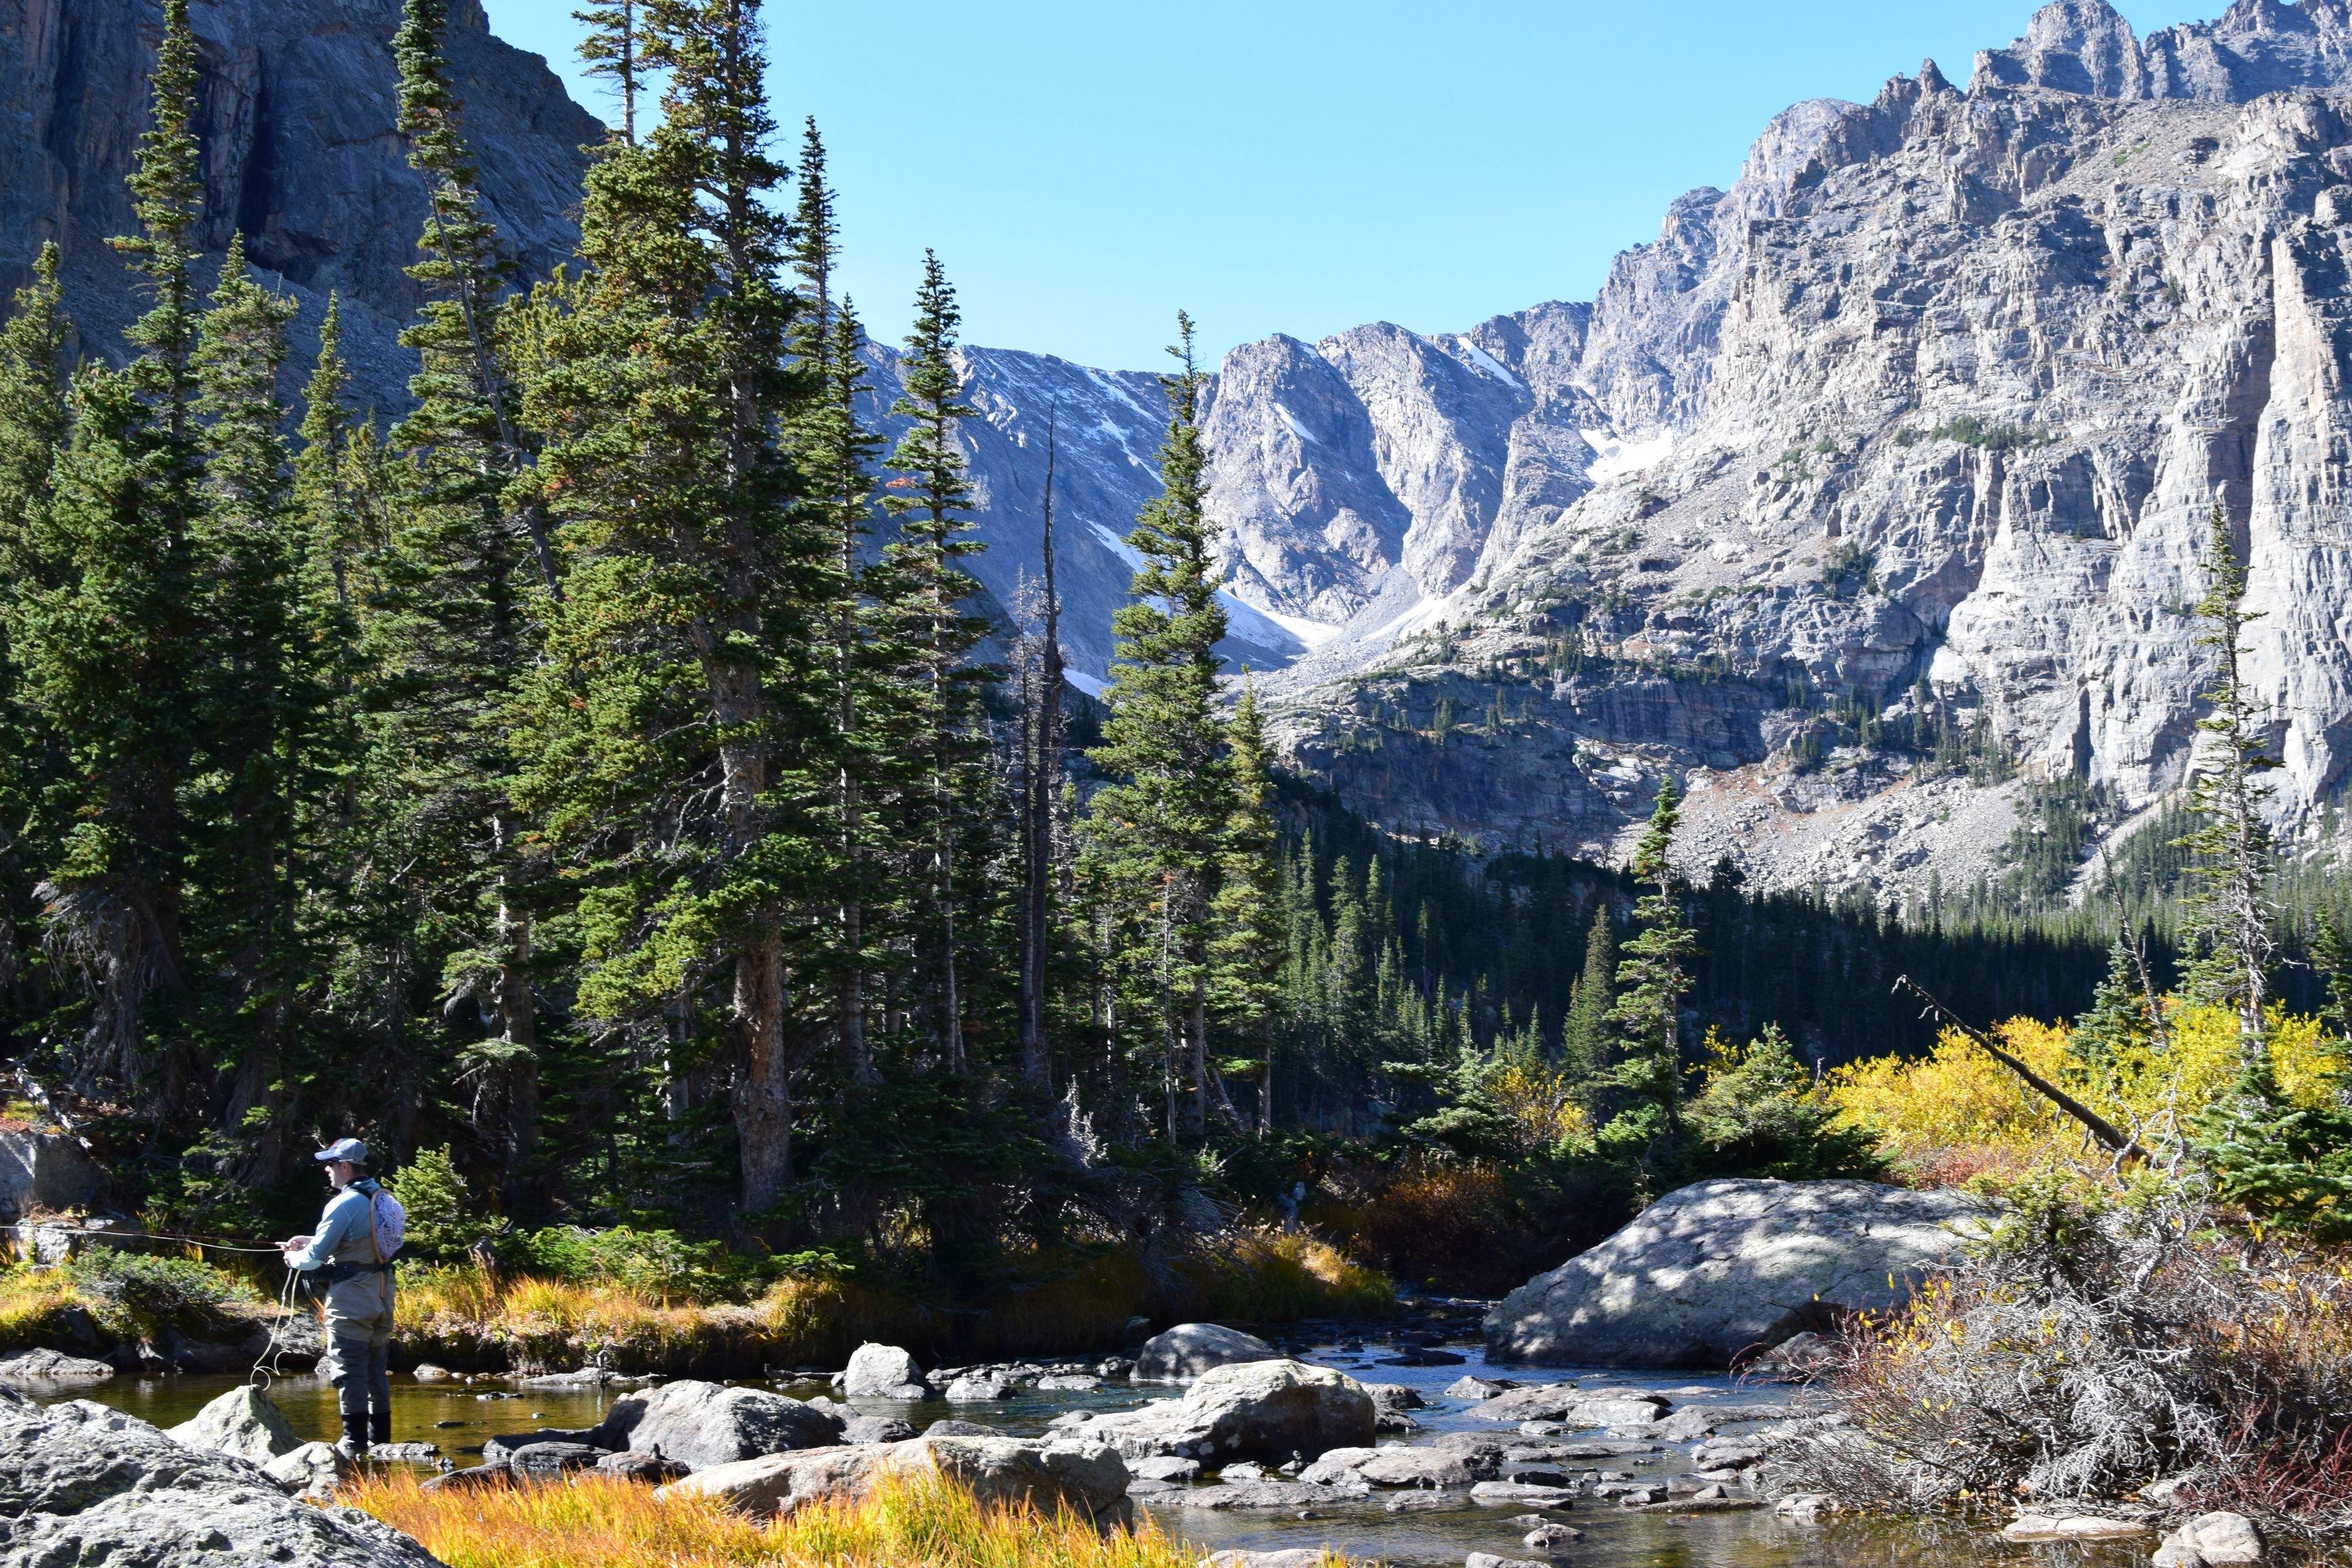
{"type": "Point", "coordinates": [1929, 413]}
{"type": "Point", "coordinates": [296, 112]}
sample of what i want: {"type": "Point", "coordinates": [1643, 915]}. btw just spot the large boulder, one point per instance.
{"type": "Point", "coordinates": [883, 1371]}
{"type": "Point", "coordinates": [1254, 1410]}
{"type": "Point", "coordinates": [700, 1425]}
{"type": "Point", "coordinates": [83, 1484]}
{"type": "Point", "coordinates": [46, 1172]}
{"type": "Point", "coordinates": [244, 1422]}
{"type": "Point", "coordinates": [1724, 1269]}
{"type": "Point", "coordinates": [1188, 1350]}
{"type": "Point", "coordinates": [1088, 1478]}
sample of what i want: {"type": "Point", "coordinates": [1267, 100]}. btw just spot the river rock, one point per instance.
{"type": "Point", "coordinates": [1090, 1479]}
{"type": "Point", "coordinates": [1521, 1494]}
{"type": "Point", "coordinates": [1287, 1497]}
{"type": "Point", "coordinates": [876, 1429]}
{"type": "Point", "coordinates": [403, 1453]}
{"type": "Point", "coordinates": [312, 1470]}
{"type": "Point", "coordinates": [1427, 1468]}
{"type": "Point", "coordinates": [83, 1484]}
{"type": "Point", "coordinates": [2212, 1540]}
{"type": "Point", "coordinates": [1289, 1557]}
{"type": "Point", "coordinates": [700, 1425]}
{"type": "Point", "coordinates": [978, 1390]}
{"type": "Point", "coordinates": [52, 1366]}
{"type": "Point", "coordinates": [1549, 1537]}
{"type": "Point", "coordinates": [1069, 1383]}
{"type": "Point", "coordinates": [2073, 1527]}
{"type": "Point", "coordinates": [948, 1427]}
{"type": "Point", "coordinates": [1476, 1388]}
{"type": "Point", "coordinates": [506, 1445]}
{"type": "Point", "coordinates": [1165, 1467]}
{"type": "Point", "coordinates": [425, 1371]}
{"type": "Point", "coordinates": [1488, 1560]}
{"type": "Point", "coordinates": [883, 1371]}
{"type": "Point", "coordinates": [1188, 1350]}
{"type": "Point", "coordinates": [1718, 1270]}
{"type": "Point", "coordinates": [244, 1422]}
{"type": "Point", "coordinates": [1800, 1358]}
{"type": "Point", "coordinates": [547, 1461]}
{"type": "Point", "coordinates": [1251, 1410]}
{"type": "Point", "coordinates": [585, 1377]}
{"type": "Point", "coordinates": [649, 1469]}
{"type": "Point", "coordinates": [1807, 1507]}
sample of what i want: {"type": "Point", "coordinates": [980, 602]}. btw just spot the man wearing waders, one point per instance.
{"type": "Point", "coordinates": [363, 1228]}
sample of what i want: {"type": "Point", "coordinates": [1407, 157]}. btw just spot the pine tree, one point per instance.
{"type": "Point", "coordinates": [1585, 1038]}
{"type": "Point", "coordinates": [112, 652]}
{"type": "Point", "coordinates": [1162, 743]}
{"type": "Point", "coordinates": [686, 654]}
{"type": "Point", "coordinates": [612, 51]}
{"type": "Point", "coordinates": [1246, 914]}
{"type": "Point", "coordinates": [1040, 787]}
{"type": "Point", "coordinates": [34, 427]}
{"type": "Point", "coordinates": [932, 504]}
{"type": "Point", "coordinates": [2229, 917]}
{"type": "Point", "coordinates": [1651, 981]}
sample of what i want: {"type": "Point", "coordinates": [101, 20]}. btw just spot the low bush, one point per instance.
{"type": "Point", "coordinates": [605, 1523]}
{"type": "Point", "coordinates": [34, 1307]}
{"type": "Point", "coordinates": [143, 1293]}
{"type": "Point", "coordinates": [2099, 1341]}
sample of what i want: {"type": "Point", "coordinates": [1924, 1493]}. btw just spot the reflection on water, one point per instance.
{"type": "Point", "coordinates": [457, 1416]}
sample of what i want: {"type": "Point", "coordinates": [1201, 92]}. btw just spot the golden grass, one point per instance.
{"type": "Point", "coordinates": [33, 1303]}
{"type": "Point", "coordinates": [1066, 1302]}
{"type": "Point", "coordinates": [606, 1522]}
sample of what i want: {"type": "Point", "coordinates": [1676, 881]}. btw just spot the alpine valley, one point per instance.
{"type": "Point", "coordinates": [1868, 498]}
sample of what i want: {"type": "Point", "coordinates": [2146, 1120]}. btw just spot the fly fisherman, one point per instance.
{"type": "Point", "coordinates": [352, 1250]}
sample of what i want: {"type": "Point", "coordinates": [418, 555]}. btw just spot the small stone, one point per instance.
{"type": "Point", "coordinates": [1550, 1537]}
{"type": "Point", "coordinates": [1488, 1560]}
{"type": "Point", "coordinates": [1807, 1507]}
{"type": "Point", "coordinates": [427, 1373]}
{"type": "Point", "coordinates": [2223, 1540]}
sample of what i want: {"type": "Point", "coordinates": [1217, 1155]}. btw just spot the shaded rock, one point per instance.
{"type": "Point", "coordinates": [1800, 1358]}
{"type": "Point", "coordinates": [883, 1371]}
{"type": "Point", "coordinates": [1427, 1502]}
{"type": "Point", "coordinates": [877, 1429]}
{"type": "Point", "coordinates": [1541, 1402]}
{"type": "Point", "coordinates": [651, 1469]}
{"type": "Point", "coordinates": [497, 1473]}
{"type": "Point", "coordinates": [2073, 1527]}
{"type": "Point", "coordinates": [52, 1366]}
{"type": "Point", "coordinates": [83, 1484]}
{"type": "Point", "coordinates": [46, 1172]}
{"type": "Point", "coordinates": [547, 1461]}
{"type": "Point", "coordinates": [1488, 1560]}
{"type": "Point", "coordinates": [700, 1425]}
{"type": "Point", "coordinates": [1188, 1350]}
{"type": "Point", "coordinates": [1719, 1502]}
{"type": "Point", "coordinates": [1068, 1382]}
{"type": "Point", "coordinates": [504, 1445]}
{"type": "Point", "coordinates": [1806, 1508]}
{"type": "Point", "coordinates": [1289, 1496]}
{"type": "Point", "coordinates": [244, 1422]}
{"type": "Point", "coordinates": [1263, 1410]}
{"type": "Point", "coordinates": [1730, 1453]}
{"type": "Point", "coordinates": [1089, 1478]}
{"type": "Point", "coordinates": [1721, 1268]}
{"type": "Point", "coordinates": [948, 1427]}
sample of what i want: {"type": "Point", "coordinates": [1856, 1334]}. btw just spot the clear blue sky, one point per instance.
{"type": "Point", "coordinates": [1084, 167]}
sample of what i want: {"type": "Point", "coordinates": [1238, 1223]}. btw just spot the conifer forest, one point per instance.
{"type": "Point", "coordinates": [600, 783]}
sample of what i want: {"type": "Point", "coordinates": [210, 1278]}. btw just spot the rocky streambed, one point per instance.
{"type": "Point", "coordinates": [1438, 1457]}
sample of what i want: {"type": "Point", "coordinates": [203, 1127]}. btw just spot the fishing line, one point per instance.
{"type": "Point", "coordinates": [38, 1225]}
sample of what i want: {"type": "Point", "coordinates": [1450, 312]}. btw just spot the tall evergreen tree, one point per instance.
{"type": "Point", "coordinates": [1651, 981]}
{"type": "Point", "coordinates": [678, 709]}
{"type": "Point", "coordinates": [1162, 745]}
{"type": "Point", "coordinates": [1585, 1037]}
{"type": "Point", "coordinates": [1247, 950]}
{"type": "Point", "coordinates": [1041, 789]}
{"type": "Point", "coordinates": [34, 427]}
{"type": "Point", "coordinates": [932, 503]}
{"type": "Point", "coordinates": [113, 651]}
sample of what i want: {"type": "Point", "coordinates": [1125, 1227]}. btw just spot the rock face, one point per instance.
{"type": "Point", "coordinates": [1188, 1350]}
{"type": "Point", "coordinates": [80, 1483]}
{"type": "Point", "coordinates": [244, 1422]}
{"type": "Point", "coordinates": [700, 1425]}
{"type": "Point", "coordinates": [1089, 1478]}
{"type": "Point", "coordinates": [1270, 1410]}
{"type": "Point", "coordinates": [1721, 1268]}
{"type": "Point", "coordinates": [295, 108]}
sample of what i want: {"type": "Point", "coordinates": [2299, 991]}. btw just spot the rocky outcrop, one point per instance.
{"type": "Point", "coordinates": [1271, 1410]}
{"type": "Point", "coordinates": [81, 1483]}
{"type": "Point", "coordinates": [244, 1422]}
{"type": "Point", "coordinates": [703, 1424]}
{"type": "Point", "coordinates": [1725, 1268]}
{"type": "Point", "coordinates": [1088, 1478]}
{"type": "Point", "coordinates": [1188, 1350]}
{"type": "Point", "coordinates": [296, 109]}
{"type": "Point", "coordinates": [47, 1366]}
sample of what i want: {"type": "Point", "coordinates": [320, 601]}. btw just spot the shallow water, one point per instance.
{"type": "Point", "coordinates": [456, 1416]}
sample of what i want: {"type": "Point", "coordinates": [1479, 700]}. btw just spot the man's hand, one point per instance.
{"type": "Point", "coordinates": [293, 1244]}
